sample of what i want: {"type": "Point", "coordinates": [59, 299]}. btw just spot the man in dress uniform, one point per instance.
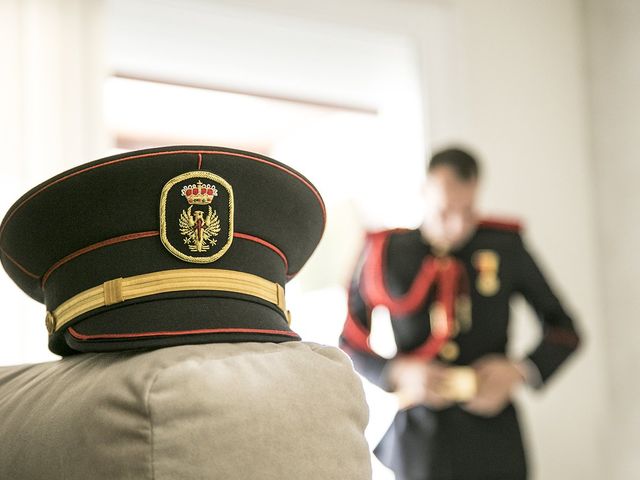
{"type": "Point", "coordinates": [163, 273]}
{"type": "Point", "coordinates": [447, 286]}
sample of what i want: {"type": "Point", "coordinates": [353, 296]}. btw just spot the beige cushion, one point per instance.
{"type": "Point", "coordinates": [218, 411]}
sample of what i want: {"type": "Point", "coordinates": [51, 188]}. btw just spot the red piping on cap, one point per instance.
{"type": "Point", "coordinates": [15, 262]}
{"type": "Point", "coordinates": [105, 336]}
{"type": "Point", "coordinates": [135, 236]}
{"type": "Point", "coordinates": [251, 238]}
{"type": "Point", "coordinates": [95, 246]}
{"type": "Point", "coordinates": [169, 152]}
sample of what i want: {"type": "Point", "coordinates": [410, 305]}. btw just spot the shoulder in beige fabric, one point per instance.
{"type": "Point", "coordinates": [265, 411]}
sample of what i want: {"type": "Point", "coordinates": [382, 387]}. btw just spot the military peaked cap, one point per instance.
{"type": "Point", "coordinates": [164, 246]}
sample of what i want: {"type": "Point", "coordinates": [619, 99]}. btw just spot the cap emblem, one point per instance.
{"type": "Point", "coordinates": [196, 216]}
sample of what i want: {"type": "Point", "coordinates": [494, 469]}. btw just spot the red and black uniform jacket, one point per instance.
{"type": "Point", "coordinates": [400, 271]}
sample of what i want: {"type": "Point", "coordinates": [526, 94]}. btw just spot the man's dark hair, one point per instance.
{"type": "Point", "coordinates": [463, 164]}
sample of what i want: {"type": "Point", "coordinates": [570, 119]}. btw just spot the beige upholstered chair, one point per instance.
{"type": "Point", "coordinates": [225, 411]}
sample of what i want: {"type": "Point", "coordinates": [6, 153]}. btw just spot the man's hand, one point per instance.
{"type": "Point", "coordinates": [417, 382]}
{"type": "Point", "coordinates": [497, 378]}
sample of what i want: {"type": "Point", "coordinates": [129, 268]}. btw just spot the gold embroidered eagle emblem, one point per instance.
{"type": "Point", "coordinates": [202, 230]}
{"type": "Point", "coordinates": [199, 231]}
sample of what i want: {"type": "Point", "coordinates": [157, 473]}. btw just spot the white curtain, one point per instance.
{"type": "Point", "coordinates": [52, 73]}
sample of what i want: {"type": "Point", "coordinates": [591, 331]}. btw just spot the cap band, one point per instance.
{"type": "Point", "coordinates": [122, 289]}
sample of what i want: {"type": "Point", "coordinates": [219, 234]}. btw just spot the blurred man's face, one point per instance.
{"type": "Point", "coordinates": [450, 214]}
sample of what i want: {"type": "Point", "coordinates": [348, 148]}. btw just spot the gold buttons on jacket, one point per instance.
{"type": "Point", "coordinates": [450, 351]}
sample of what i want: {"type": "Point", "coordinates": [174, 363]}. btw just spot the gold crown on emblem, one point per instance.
{"type": "Point", "coordinates": [199, 194]}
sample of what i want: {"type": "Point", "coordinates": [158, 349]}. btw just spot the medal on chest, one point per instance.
{"type": "Point", "coordinates": [487, 264]}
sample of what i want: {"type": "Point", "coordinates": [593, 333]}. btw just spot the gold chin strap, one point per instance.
{"type": "Point", "coordinates": [122, 289]}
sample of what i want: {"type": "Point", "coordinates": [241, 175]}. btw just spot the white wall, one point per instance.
{"type": "Point", "coordinates": [614, 58]}
{"type": "Point", "coordinates": [526, 109]}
